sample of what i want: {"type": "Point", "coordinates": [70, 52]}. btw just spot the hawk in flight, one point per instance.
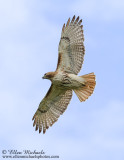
{"type": "Point", "coordinates": [65, 80]}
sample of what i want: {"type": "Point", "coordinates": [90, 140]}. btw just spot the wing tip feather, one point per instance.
{"type": "Point", "coordinates": [73, 19]}
{"type": "Point", "coordinates": [67, 24]}
{"type": "Point", "coordinates": [63, 28]}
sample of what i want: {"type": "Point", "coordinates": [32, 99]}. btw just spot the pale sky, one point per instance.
{"type": "Point", "coordinates": [29, 36]}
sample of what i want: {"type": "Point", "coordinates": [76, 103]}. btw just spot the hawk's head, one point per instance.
{"type": "Point", "coordinates": [49, 75]}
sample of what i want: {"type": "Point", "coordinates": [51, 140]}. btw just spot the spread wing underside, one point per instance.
{"type": "Point", "coordinates": [71, 48]}
{"type": "Point", "coordinates": [51, 107]}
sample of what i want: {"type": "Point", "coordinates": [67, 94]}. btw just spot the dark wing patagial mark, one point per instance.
{"type": "Point", "coordinates": [66, 38]}
{"type": "Point", "coordinates": [59, 60]}
{"type": "Point", "coordinates": [42, 111]}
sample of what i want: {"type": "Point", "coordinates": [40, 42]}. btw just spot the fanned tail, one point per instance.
{"type": "Point", "coordinates": [86, 91]}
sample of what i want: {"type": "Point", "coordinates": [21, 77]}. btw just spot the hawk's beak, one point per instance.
{"type": "Point", "coordinates": [43, 77]}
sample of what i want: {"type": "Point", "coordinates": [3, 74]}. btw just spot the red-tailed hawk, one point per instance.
{"type": "Point", "coordinates": [64, 79]}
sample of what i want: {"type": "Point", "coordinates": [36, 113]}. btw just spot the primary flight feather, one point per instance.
{"type": "Point", "coordinates": [64, 79]}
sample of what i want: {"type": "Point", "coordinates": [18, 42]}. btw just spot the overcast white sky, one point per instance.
{"type": "Point", "coordinates": [29, 37]}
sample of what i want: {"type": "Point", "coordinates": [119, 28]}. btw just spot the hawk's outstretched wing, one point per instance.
{"type": "Point", "coordinates": [71, 48]}
{"type": "Point", "coordinates": [51, 107]}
